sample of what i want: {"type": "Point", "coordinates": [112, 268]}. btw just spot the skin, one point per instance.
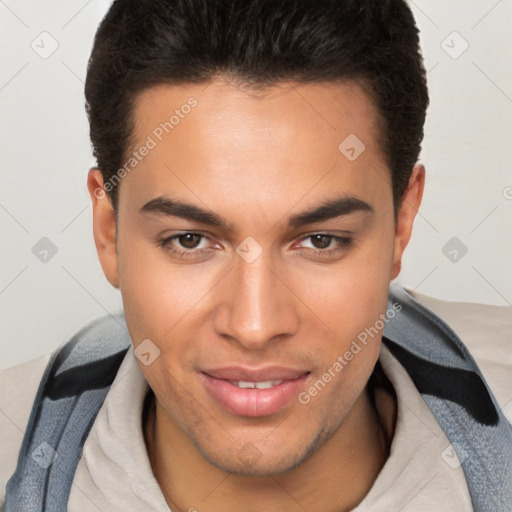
{"type": "Point", "coordinates": [256, 159]}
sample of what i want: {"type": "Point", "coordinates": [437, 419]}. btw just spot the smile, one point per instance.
{"type": "Point", "coordinates": [254, 398]}
{"type": "Point", "coordinates": [266, 384]}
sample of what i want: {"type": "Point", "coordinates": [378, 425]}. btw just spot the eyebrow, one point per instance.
{"type": "Point", "coordinates": [338, 207]}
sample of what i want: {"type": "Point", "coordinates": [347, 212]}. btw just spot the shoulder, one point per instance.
{"type": "Point", "coordinates": [92, 355]}
{"type": "Point", "coordinates": [18, 388]}
{"type": "Point", "coordinates": [486, 330]}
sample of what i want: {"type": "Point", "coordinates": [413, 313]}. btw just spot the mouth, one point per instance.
{"type": "Point", "coordinates": [254, 393]}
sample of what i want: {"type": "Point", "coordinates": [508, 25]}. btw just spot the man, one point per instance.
{"type": "Point", "coordinates": [256, 188]}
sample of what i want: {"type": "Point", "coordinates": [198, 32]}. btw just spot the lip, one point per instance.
{"type": "Point", "coordinates": [254, 402]}
{"type": "Point", "coordinates": [255, 375]}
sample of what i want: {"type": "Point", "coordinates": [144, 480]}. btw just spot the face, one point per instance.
{"type": "Point", "coordinates": [252, 247]}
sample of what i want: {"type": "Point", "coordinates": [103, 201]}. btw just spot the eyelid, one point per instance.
{"type": "Point", "coordinates": [342, 245]}
{"type": "Point", "coordinates": [299, 238]}
{"type": "Point", "coordinates": [168, 239]}
{"type": "Point", "coordinates": [343, 240]}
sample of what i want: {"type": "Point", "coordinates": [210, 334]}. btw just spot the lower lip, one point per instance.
{"type": "Point", "coordinates": [253, 402]}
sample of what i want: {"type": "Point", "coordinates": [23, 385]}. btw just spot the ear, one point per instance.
{"type": "Point", "coordinates": [104, 226]}
{"type": "Point", "coordinates": [408, 209]}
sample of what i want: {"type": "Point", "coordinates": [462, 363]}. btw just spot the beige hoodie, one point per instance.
{"type": "Point", "coordinates": [486, 331]}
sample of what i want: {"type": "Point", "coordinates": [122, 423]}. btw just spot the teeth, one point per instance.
{"type": "Point", "coordinates": [267, 384]}
{"type": "Point", "coordinates": [258, 385]}
{"type": "Point", "coordinates": [245, 385]}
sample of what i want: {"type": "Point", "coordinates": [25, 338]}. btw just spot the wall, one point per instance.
{"type": "Point", "coordinates": [45, 155]}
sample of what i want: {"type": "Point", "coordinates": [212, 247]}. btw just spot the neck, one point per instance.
{"type": "Point", "coordinates": [336, 477]}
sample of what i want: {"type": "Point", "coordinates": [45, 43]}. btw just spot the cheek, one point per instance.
{"type": "Point", "coordinates": [163, 303]}
{"type": "Point", "coordinates": [349, 297]}
{"type": "Point", "coordinates": [156, 293]}
{"type": "Point", "coordinates": [350, 301]}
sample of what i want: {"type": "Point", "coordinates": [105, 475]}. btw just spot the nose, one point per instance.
{"type": "Point", "coordinates": [257, 306]}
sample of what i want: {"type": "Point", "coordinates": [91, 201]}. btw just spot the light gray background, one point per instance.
{"type": "Point", "coordinates": [45, 155]}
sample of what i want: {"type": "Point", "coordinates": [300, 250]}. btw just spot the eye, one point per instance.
{"type": "Point", "coordinates": [188, 240]}
{"type": "Point", "coordinates": [185, 245]}
{"type": "Point", "coordinates": [320, 241]}
{"type": "Point", "coordinates": [195, 245]}
{"type": "Point", "coordinates": [326, 244]}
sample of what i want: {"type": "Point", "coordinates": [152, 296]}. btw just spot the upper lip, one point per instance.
{"type": "Point", "coordinates": [239, 373]}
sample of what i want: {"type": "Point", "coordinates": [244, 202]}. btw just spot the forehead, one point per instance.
{"type": "Point", "coordinates": [222, 140]}
{"type": "Point", "coordinates": [308, 107]}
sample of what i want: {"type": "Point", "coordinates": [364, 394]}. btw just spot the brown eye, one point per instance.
{"type": "Point", "coordinates": [321, 241]}
{"type": "Point", "coordinates": [187, 246]}
{"type": "Point", "coordinates": [189, 240]}
{"type": "Point", "coordinates": [325, 245]}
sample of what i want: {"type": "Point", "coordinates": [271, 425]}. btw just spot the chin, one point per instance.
{"type": "Point", "coordinates": [275, 466]}
{"type": "Point", "coordinates": [264, 459]}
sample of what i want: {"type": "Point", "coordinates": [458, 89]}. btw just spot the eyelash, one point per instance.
{"type": "Point", "coordinates": [344, 242]}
